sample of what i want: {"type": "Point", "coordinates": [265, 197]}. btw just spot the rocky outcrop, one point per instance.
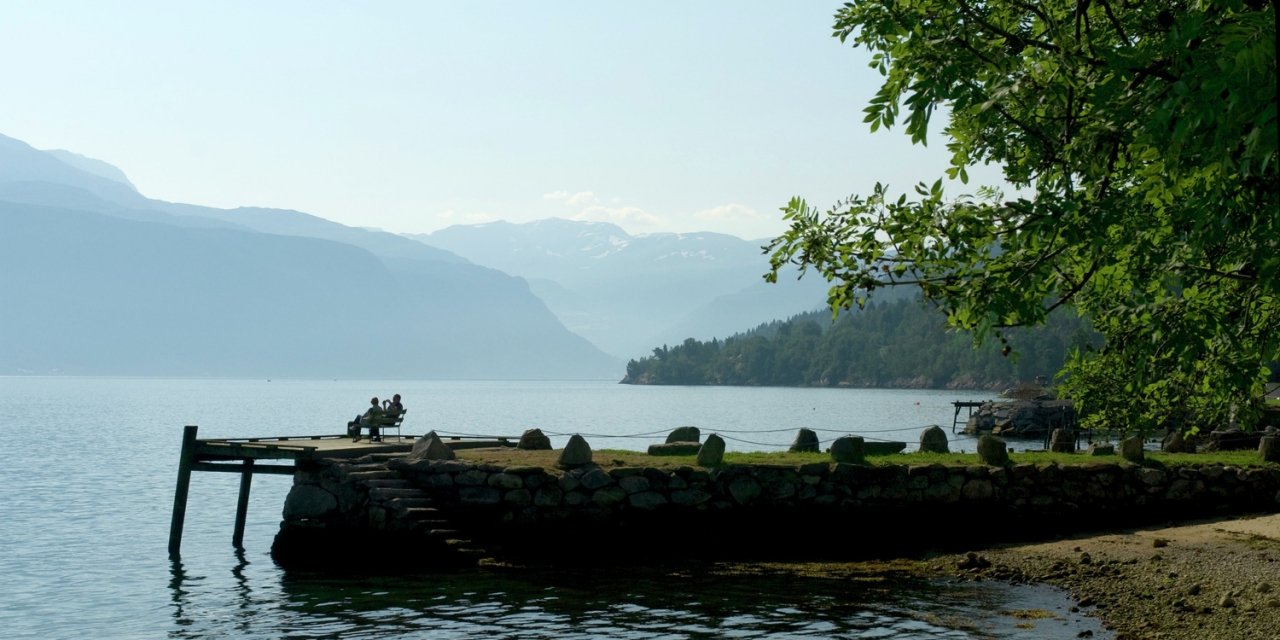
{"type": "Point", "coordinates": [1034, 418]}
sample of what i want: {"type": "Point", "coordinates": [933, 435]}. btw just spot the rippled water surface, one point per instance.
{"type": "Point", "coordinates": [88, 489]}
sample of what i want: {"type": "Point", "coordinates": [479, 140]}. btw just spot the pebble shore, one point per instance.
{"type": "Point", "coordinates": [1215, 579]}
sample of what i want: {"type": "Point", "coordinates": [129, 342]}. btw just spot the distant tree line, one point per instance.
{"type": "Point", "coordinates": [888, 344]}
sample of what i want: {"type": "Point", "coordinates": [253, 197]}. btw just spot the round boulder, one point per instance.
{"type": "Point", "coordinates": [419, 450]}
{"type": "Point", "coordinates": [1269, 447]}
{"type": "Point", "coordinates": [850, 449]}
{"type": "Point", "coordinates": [934, 440]}
{"type": "Point", "coordinates": [1101, 449]}
{"type": "Point", "coordinates": [1131, 449]}
{"type": "Point", "coordinates": [534, 440]}
{"type": "Point", "coordinates": [1062, 441]}
{"type": "Point", "coordinates": [993, 451]}
{"type": "Point", "coordinates": [684, 434]}
{"type": "Point", "coordinates": [712, 452]}
{"type": "Point", "coordinates": [1175, 442]}
{"type": "Point", "coordinates": [431, 447]}
{"type": "Point", "coordinates": [576, 452]}
{"type": "Point", "coordinates": [806, 442]}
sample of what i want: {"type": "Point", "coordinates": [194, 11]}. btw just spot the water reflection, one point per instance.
{"type": "Point", "coordinates": [178, 594]}
{"type": "Point", "coordinates": [243, 591]}
{"type": "Point", "coordinates": [643, 605]}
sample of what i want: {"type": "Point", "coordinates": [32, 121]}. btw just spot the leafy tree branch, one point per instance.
{"type": "Point", "coordinates": [1140, 138]}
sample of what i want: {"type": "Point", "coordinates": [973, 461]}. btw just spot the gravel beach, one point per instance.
{"type": "Point", "coordinates": [1217, 580]}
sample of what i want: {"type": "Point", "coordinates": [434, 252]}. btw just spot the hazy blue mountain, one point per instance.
{"type": "Point", "coordinates": [67, 197]}
{"type": "Point", "coordinates": [92, 166]}
{"type": "Point", "coordinates": [98, 279]}
{"type": "Point", "coordinates": [20, 163]}
{"type": "Point", "coordinates": [628, 294]}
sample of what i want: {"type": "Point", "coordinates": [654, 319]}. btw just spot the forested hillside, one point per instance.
{"type": "Point", "coordinates": [889, 344]}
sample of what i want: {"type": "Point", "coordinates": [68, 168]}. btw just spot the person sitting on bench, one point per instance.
{"type": "Point", "coordinates": [393, 405]}
{"type": "Point", "coordinates": [369, 417]}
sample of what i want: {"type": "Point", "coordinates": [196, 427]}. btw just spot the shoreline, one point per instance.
{"type": "Point", "coordinates": [1208, 579]}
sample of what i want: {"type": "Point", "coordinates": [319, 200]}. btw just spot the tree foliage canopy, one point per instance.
{"type": "Point", "coordinates": [1140, 138]}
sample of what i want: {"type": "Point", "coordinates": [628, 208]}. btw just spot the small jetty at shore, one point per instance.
{"type": "Point", "coordinates": [280, 455]}
{"type": "Point", "coordinates": [446, 502]}
{"type": "Point", "coordinates": [1027, 411]}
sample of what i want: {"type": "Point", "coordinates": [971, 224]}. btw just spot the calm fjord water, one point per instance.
{"type": "Point", "coordinates": [88, 486]}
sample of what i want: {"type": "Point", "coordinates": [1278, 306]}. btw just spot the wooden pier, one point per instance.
{"type": "Point", "coordinates": [278, 456]}
{"type": "Point", "coordinates": [964, 404]}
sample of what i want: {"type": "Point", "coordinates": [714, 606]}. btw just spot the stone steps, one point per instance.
{"type": "Point", "coordinates": [366, 467]}
{"type": "Point", "coordinates": [405, 504]}
{"type": "Point", "coordinates": [477, 556]}
{"type": "Point", "coordinates": [415, 509]}
{"type": "Point", "coordinates": [424, 513]}
{"type": "Point", "coordinates": [381, 473]}
{"type": "Point", "coordinates": [386, 494]}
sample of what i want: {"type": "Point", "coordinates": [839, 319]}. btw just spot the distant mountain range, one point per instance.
{"type": "Point", "coordinates": [629, 294]}
{"type": "Point", "coordinates": [98, 279]}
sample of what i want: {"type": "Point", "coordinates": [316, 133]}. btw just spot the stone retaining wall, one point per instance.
{"type": "Point", "coordinates": [529, 494]}
{"type": "Point", "coordinates": [530, 507]}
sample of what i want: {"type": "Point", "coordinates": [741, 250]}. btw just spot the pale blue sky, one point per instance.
{"type": "Point", "coordinates": [411, 116]}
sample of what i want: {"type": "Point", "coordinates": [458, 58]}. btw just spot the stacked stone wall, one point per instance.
{"type": "Point", "coordinates": [832, 502]}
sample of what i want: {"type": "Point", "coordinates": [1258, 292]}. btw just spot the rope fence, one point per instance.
{"type": "Point", "coordinates": [720, 432]}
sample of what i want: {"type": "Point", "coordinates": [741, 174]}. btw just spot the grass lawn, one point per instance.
{"type": "Point", "coordinates": [621, 458]}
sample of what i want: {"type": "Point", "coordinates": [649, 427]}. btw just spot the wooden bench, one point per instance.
{"type": "Point", "coordinates": [387, 421]}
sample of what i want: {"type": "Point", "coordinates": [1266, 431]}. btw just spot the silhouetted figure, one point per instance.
{"type": "Point", "coordinates": [369, 417]}
{"type": "Point", "coordinates": [393, 404]}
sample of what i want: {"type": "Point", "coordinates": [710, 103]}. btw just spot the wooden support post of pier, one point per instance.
{"type": "Point", "coordinates": [185, 460]}
{"type": "Point", "coordinates": [242, 506]}
{"type": "Point", "coordinates": [963, 404]}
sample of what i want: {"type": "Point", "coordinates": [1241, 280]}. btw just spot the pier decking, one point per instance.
{"type": "Point", "coordinates": [277, 455]}
{"type": "Point", "coordinates": [964, 404]}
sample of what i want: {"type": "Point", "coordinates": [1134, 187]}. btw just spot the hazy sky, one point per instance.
{"type": "Point", "coordinates": [412, 115]}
